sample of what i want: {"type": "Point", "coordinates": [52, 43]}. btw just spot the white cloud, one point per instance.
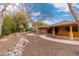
{"type": "Point", "coordinates": [35, 20]}
{"type": "Point", "coordinates": [52, 22]}
{"type": "Point", "coordinates": [12, 8]}
{"type": "Point", "coordinates": [36, 14]}
{"type": "Point", "coordinates": [61, 7]}
{"type": "Point", "coordinates": [76, 5]}
{"type": "Point", "coordinates": [65, 15]}
{"type": "Point", "coordinates": [47, 21]}
{"type": "Point", "coordinates": [1, 7]}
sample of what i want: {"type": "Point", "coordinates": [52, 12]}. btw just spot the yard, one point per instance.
{"type": "Point", "coordinates": [34, 45]}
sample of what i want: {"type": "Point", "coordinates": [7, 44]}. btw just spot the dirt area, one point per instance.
{"type": "Point", "coordinates": [6, 43]}
{"type": "Point", "coordinates": [42, 47]}
{"type": "Point", "coordinates": [38, 46]}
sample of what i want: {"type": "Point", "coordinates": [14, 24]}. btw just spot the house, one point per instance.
{"type": "Point", "coordinates": [43, 29]}
{"type": "Point", "coordinates": [68, 29]}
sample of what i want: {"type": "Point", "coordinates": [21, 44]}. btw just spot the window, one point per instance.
{"type": "Point", "coordinates": [75, 28]}
{"type": "Point", "coordinates": [56, 29]}
{"type": "Point", "coordinates": [67, 29]}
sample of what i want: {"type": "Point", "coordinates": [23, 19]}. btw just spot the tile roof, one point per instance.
{"type": "Point", "coordinates": [64, 23]}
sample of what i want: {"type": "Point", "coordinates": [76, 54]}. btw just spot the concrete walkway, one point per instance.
{"type": "Point", "coordinates": [56, 40]}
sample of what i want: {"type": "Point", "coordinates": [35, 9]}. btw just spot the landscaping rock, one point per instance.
{"type": "Point", "coordinates": [19, 47]}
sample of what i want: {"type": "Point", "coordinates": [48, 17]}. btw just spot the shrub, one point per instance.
{"type": "Point", "coordinates": [20, 19]}
{"type": "Point", "coordinates": [8, 26]}
{"type": "Point", "coordinates": [14, 23]}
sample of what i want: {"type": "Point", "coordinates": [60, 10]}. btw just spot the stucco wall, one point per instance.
{"type": "Point", "coordinates": [63, 32]}
{"type": "Point", "coordinates": [76, 34]}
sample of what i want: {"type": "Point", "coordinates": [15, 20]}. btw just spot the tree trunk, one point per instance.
{"type": "Point", "coordinates": [1, 16]}
{"type": "Point", "coordinates": [36, 29]}
{"type": "Point", "coordinates": [1, 22]}
{"type": "Point", "coordinates": [72, 11]}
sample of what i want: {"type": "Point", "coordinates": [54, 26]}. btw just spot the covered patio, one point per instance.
{"type": "Point", "coordinates": [68, 30]}
{"type": "Point", "coordinates": [64, 29]}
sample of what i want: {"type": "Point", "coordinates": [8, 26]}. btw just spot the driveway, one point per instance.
{"type": "Point", "coordinates": [37, 46]}
{"type": "Point", "coordinates": [41, 47]}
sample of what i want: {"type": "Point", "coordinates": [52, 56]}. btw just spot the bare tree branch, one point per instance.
{"type": "Point", "coordinates": [72, 11]}
{"type": "Point", "coordinates": [5, 6]}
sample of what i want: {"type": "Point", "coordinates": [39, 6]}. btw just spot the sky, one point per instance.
{"type": "Point", "coordinates": [49, 12]}
{"type": "Point", "coordinates": [59, 12]}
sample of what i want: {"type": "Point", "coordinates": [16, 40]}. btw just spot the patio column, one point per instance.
{"type": "Point", "coordinates": [41, 30]}
{"type": "Point", "coordinates": [44, 30]}
{"type": "Point", "coordinates": [71, 33]}
{"type": "Point", "coordinates": [53, 31]}
{"type": "Point", "coordinates": [78, 27]}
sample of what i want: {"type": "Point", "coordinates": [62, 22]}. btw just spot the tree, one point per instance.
{"type": "Point", "coordinates": [21, 20]}
{"type": "Point", "coordinates": [38, 24]}
{"type": "Point", "coordinates": [44, 13]}
{"type": "Point", "coordinates": [73, 11]}
{"type": "Point", "coordinates": [14, 22]}
{"type": "Point", "coordinates": [9, 26]}
{"type": "Point", "coordinates": [1, 15]}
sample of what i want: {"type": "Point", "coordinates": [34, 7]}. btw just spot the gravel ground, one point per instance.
{"type": "Point", "coordinates": [42, 47]}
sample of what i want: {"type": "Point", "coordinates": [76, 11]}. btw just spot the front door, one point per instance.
{"type": "Point", "coordinates": [56, 30]}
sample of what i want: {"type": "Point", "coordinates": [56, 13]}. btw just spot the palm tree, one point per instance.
{"type": "Point", "coordinates": [72, 11]}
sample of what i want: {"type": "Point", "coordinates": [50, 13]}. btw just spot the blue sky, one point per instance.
{"type": "Point", "coordinates": [49, 12]}
{"type": "Point", "coordinates": [58, 12]}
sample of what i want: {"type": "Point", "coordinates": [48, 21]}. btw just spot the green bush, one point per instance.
{"type": "Point", "coordinates": [25, 26]}
{"type": "Point", "coordinates": [14, 23]}
{"type": "Point", "coordinates": [8, 26]}
{"type": "Point", "coordinates": [20, 19]}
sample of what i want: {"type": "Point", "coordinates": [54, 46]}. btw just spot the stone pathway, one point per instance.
{"type": "Point", "coordinates": [13, 44]}
{"type": "Point", "coordinates": [6, 43]}
{"type": "Point", "coordinates": [19, 46]}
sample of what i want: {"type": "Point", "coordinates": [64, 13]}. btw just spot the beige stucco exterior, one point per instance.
{"type": "Point", "coordinates": [62, 31]}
